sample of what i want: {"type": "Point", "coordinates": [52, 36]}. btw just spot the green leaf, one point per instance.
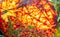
{"type": "Point", "coordinates": [10, 29]}
{"type": "Point", "coordinates": [16, 33]}
{"type": "Point", "coordinates": [57, 7]}
{"type": "Point", "coordinates": [33, 35]}
{"type": "Point", "coordinates": [30, 27]}
{"type": "Point", "coordinates": [2, 36]}
{"type": "Point", "coordinates": [5, 11]}
{"type": "Point", "coordinates": [55, 36]}
{"type": "Point", "coordinates": [56, 1]}
{"type": "Point", "coordinates": [58, 28]}
{"type": "Point", "coordinates": [1, 33]}
{"type": "Point", "coordinates": [58, 19]}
